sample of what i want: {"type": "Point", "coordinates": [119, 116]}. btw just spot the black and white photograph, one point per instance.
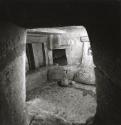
{"type": "Point", "coordinates": [60, 62]}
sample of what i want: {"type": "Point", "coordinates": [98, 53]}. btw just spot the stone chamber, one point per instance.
{"type": "Point", "coordinates": [62, 80]}
{"type": "Point", "coordinates": [50, 65]}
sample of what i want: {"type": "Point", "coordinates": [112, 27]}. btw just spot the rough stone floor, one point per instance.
{"type": "Point", "coordinates": [51, 104]}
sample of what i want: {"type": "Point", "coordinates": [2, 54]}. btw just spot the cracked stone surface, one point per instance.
{"type": "Point", "coordinates": [54, 105]}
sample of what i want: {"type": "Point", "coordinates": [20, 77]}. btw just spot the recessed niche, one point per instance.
{"type": "Point", "coordinates": [59, 57]}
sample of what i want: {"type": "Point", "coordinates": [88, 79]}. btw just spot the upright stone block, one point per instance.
{"type": "Point", "coordinates": [12, 75]}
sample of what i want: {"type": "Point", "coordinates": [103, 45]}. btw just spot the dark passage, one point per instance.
{"type": "Point", "coordinates": [59, 57]}
{"type": "Point", "coordinates": [29, 52]}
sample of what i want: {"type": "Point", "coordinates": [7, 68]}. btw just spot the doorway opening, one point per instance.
{"type": "Point", "coordinates": [64, 87]}
{"type": "Point", "coordinates": [59, 57]}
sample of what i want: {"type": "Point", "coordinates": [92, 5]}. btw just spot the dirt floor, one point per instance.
{"type": "Point", "coordinates": [51, 104]}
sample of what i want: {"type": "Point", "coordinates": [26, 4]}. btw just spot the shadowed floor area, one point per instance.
{"type": "Point", "coordinates": [51, 104]}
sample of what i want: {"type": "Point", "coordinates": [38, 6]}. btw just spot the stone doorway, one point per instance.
{"type": "Point", "coordinates": [59, 57]}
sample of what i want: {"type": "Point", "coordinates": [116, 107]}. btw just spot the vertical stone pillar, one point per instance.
{"type": "Point", "coordinates": [12, 75]}
{"type": "Point", "coordinates": [45, 53]}
{"type": "Point", "coordinates": [50, 57]}
{"type": "Point", "coordinates": [50, 53]}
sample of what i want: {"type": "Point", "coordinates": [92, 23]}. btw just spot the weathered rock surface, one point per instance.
{"type": "Point", "coordinates": [85, 75]}
{"type": "Point", "coordinates": [56, 73]}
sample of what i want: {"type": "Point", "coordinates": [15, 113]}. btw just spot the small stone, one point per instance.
{"type": "Point", "coordinates": [63, 83]}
